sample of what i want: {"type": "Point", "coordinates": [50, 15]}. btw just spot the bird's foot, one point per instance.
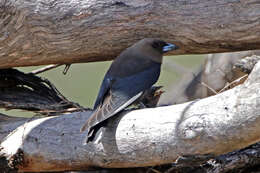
{"type": "Point", "coordinates": [141, 105]}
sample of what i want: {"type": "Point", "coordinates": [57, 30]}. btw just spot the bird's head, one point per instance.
{"type": "Point", "coordinates": [155, 48]}
{"type": "Point", "coordinates": [161, 46]}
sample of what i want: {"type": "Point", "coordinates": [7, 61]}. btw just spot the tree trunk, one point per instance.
{"type": "Point", "coordinates": [63, 32]}
{"type": "Point", "coordinates": [147, 137]}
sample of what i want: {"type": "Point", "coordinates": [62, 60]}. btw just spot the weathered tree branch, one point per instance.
{"type": "Point", "coordinates": [214, 125]}
{"type": "Point", "coordinates": [63, 32]}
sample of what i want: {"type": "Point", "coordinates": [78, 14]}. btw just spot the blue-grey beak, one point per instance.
{"type": "Point", "coordinates": [168, 47]}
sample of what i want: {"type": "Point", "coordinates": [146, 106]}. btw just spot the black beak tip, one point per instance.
{"type": "Point", "coordinates": [176, 47]}
{"type": "Point", "coordinates": [169, 46]}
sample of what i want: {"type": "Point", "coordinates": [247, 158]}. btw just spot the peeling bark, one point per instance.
{"type": "Point", "coordinates": [32, 93]}
{"type": "Point", "coordinates": [63, 32]}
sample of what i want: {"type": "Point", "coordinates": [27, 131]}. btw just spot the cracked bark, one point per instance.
{"type": "Point", "coordinates": [63, 32]}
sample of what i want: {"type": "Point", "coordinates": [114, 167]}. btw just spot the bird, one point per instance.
{"type": "Point", "coordinates": [133, 72]}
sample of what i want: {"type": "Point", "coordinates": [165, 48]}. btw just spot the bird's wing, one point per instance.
{"type": "Point", "coordinates": [111, 105]}
{"type": "Point", "coordinates": [104, 89]}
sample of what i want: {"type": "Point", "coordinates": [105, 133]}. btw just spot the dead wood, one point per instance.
{"type": "Point", "coordinates": [64, 32]}
{"type": "Point", "coordinates": [32, 93]}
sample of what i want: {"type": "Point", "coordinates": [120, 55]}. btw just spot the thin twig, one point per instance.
{"type": "Point", "coordinates": [207, 86]}
{"type": "Point", "coordinates": [153, 170]}
{"type": "Point", "coordinates": [67, 67]}
{"type": "Point", "coordinates": [204, 84]}
{"type": "Point", "coordinates": [46, 68]}
{"type": "Point", "coordinates": [233, 82]}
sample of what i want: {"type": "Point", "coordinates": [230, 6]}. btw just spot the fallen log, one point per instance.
{"type": "Point", "coordinates": [146, 137]}
{"type": "Point", "coordinates": [64, 32]}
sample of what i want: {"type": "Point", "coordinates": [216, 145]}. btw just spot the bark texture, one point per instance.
{"type": "Point", "coordinates": [147, 137]}
{"type": "Point", "coordinates": [63, 32]}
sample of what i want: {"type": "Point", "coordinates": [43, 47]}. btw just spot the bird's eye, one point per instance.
{"type": "Point", "coordinates": [158, 44]}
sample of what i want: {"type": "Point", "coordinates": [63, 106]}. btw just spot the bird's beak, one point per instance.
{"type": "Point", "coordinates": [168, 47]}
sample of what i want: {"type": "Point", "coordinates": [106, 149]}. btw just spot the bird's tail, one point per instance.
{"type": "Point", "coordinates": [84, 127]}
{"type": "Point", "coordinates": [91, 121]}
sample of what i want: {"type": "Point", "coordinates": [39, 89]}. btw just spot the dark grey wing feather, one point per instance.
{"type": "Point", "coordinates": [111, 105]}
{"type": "Point", "coordinates": [103, 92]}
{"type": "Point", "coordinates": [105, 86]}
